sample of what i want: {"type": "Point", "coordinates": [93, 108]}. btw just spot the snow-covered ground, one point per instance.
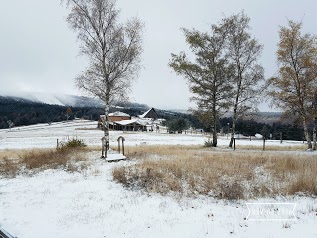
{"type": "Point", "coordinates": [55, 203]}
{"type": "Point", "coordinates": [45, 136]}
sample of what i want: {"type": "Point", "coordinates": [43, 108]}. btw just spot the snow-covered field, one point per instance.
{"type": "Point", "coordinates": [45, 136]}
{"type": "Point", "coordinates": [55, 203]}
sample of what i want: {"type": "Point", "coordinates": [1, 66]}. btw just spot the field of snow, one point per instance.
{"type": "Point", "coordinates": [55, 203]}
{"type": "Point", "coordinates": [45, 136]}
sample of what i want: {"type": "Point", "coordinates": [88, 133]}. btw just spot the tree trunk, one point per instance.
{"type": "Point", "coordinates": [234, 116]}
{"type": "Point", "coordinates": [232, 133]}
{"type": "Point", "coordinates": [214, 134]}
{"type": "Point", "coordinates": [214, 127]}
{"type": "Point", "coordinates": [307, 136]}
{"type": "Point", "coordinates": [234, 119]}
{"type": "Point", "coordinates": [315, 134]}
{"type": "Point", "coordinates": [106, 130]}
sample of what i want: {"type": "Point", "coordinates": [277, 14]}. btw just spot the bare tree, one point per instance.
{"type": "Point", "coordinates": [10, 124]}
{"type": "Point", "coordinates": [69, 111]}
{"type": "Point", "coordinates": [294, 88]}
{"type": "Point", "coordinates": [243, 52]}
{"type": "Point", "coordinates": [113, 50]}
{"type": "Point", "coordinates": [209, 76]}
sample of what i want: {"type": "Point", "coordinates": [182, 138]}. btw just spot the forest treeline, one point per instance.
{"type": "Point", "coordinates": [23, 112]}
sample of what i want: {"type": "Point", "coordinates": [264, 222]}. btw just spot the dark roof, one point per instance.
{"type": "Point", "coordinates": [151, 113]}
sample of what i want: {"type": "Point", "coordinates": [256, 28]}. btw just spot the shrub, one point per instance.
{"type": "Point", "coordinates": [177, 124]}
{"type": "Point", "coordinates": [208, 143]}
{"type": "Point", "coordinates": [72, 144]}
{"type": "Point", "coordinates": [119, 175]}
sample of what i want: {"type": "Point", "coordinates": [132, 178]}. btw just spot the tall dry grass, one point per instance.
{"type": "Point", "coordinates": [50, 159]}
{"type": "Point", "coordinates": [28, 162]}
{"type": "Point", "coordinates": [8, 167]}
{"type": "Point", "coordinates": [9, 162]}
{"type": "Point", "coordinates": [224, 174]}
{"type": "Point", "coordinates": [302, 147]}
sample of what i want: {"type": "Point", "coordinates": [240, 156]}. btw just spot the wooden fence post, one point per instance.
{"type": "Point", "coordinates": [122, 146]}
{"type": "Point", "coordinates": [122, 141]}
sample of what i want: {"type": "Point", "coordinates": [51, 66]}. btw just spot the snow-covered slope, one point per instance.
{"type": "Point", "coordinates": [55, 99]}
{"type": "Point", "coordinates": [35, 97]}
{"type": "Point", "coordinates": [47, 98]}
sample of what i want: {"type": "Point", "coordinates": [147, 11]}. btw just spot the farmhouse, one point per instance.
{"type": "Point", "coordinates": [128, 125]}
{"type": "Point", "coordinates": [119, 116]}
{"type": "Point", "coordinates": [114, 117]}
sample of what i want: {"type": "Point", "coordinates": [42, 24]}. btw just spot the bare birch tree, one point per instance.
{"type": "Point", "coordinates": [209, 75]}
{"type": "Point", "coordinates": [113, 50]}
{"type": "Point", "coordinates": [293, 89]}
{"type": "Point", "coordinates": [244, 53]}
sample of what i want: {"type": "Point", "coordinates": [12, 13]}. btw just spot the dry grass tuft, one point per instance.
{"type": "Point", "coordinates": [299, 172]}
{"type": "Point", "coordinates": [12, 153]}
{"type": "Point", "coordinates": [30, 162]}
{"type": "Point", "coordinates": [8, 167]}
{"type": "Point", "coordinates": [119, 174]}
{"type": "Point", "coordinates": [69, 160]}
{"type": "Point", "coordinates": [224, 174]}
{"type": "Point", "coordinates": [48, 158]}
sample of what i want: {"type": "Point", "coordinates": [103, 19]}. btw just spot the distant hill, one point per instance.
{"type": "Point", "coordinates": [55, 99]}
{"type": "Point", "coordinates": [22, 112]}
{"type": "Point", "coordinates": [30, 109]}
{"type": "Point", "coordinates": [65, 100]}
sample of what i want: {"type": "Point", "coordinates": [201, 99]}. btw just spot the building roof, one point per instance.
{"type": "Point", "coordinates": [118, 114]}
{"type": "Point", "coordinates": [145, 115]}
{"type": "Point", "coordinates": [128, 122]}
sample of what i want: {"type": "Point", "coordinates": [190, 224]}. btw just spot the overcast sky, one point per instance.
{"type": "Point", "coordinates": [39, 53]}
